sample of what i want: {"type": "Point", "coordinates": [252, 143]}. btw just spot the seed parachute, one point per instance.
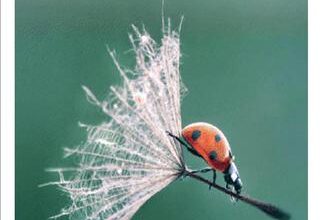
{"type": "Point", "coordinates": [129, 158]}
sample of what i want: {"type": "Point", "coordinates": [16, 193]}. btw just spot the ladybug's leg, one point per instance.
{"type": "Point", "coordinates": [204, 170]}
{"type": "Point", "coordinates": [213, 178]}
{"type": "Point", "coordinates": [229, 187]}
{"type": "Point", "coordinates": [191, 150]}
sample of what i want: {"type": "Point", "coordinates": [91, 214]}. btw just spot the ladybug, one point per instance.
{"type": "Point", "coordinates": [209, 143]}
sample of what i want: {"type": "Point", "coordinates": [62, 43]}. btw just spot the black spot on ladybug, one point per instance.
{"type": "Point", "coordinates": [195, 134]}
{"type": "Point", "coordinates": [217, 138]}
{"type": "Point", "coordinates": [212, 155]}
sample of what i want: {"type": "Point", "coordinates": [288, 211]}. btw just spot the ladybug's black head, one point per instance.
{"type": "Point", "coordinates": [232, 177]}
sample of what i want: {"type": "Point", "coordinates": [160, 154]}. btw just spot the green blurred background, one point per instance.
{"type": "Point", "coordinates": [244, 63]}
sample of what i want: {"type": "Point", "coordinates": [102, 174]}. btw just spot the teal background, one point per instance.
{"type": "Point", "coordinates": [244, 63]}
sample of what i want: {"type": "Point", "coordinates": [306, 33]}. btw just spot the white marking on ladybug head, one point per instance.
{"type": "Point", "coordinates": [234, 176]}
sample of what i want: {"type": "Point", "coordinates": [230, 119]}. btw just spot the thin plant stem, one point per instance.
{"type": "Point", "coordinates": [267, 208]}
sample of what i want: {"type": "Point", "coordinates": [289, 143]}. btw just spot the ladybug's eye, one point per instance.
{"type": "Point", "coordinates": [217, 138]}
{"type": "Point", "coordinates": [195, 134]}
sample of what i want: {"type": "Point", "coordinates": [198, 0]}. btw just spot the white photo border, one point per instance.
{"type": "Point", "coordinates": [7, 109]}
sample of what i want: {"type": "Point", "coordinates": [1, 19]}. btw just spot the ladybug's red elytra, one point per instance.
{"type": "Point", "coordinates": [209, 143]}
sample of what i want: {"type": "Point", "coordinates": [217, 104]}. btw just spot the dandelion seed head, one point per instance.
{"type": "Point", "coordinates": [129, 158]}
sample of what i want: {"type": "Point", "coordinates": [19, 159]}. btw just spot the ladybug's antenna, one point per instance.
{"type": "Point", "coordinates": [267, 208]}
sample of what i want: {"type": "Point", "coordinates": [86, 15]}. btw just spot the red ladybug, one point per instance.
{"type": "Point", "coordinates": [209, 143]}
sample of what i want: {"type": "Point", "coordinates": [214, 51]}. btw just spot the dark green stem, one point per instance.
{"type": "Point", "coordinates": [267, 208]}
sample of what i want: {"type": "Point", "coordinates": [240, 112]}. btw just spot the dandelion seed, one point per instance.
{"type": "Point", "coordinates": [128, 159]}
